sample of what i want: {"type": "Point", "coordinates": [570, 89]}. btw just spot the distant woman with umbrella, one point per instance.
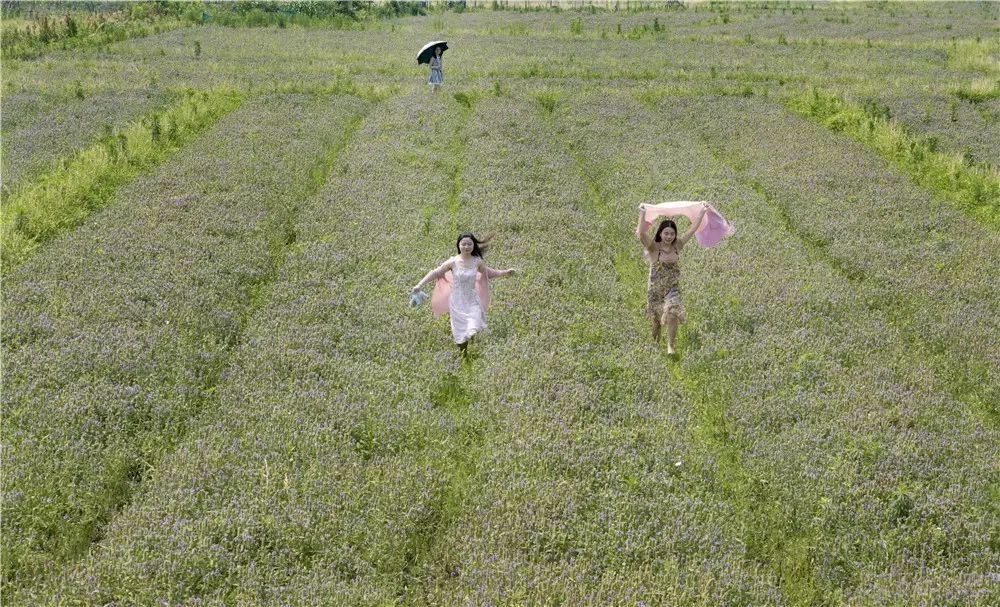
{"type": "Point", "coordinates": [432, 53]}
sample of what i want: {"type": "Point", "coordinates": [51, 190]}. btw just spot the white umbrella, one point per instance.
{"type": "Point", "coordinates": [425, 54]}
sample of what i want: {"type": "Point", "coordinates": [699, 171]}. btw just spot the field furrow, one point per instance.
{"type": "Point", "coordinates": [330, 409]}
{"type": "Point", "coordinates": [586, 460]}
{"type": "Point", "coordinates": [930, 269]}
{"type": "Point", "coordinates": [122, 327]}
{"type": "Point", "coordinates": [822, 452]}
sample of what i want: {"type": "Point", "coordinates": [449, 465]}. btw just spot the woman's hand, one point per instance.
{"type": "Point", "coordinates": [415, 289]}
{"type": "Point", "coordinates": [642, 207]}
{"type": "Point", "coordinates": [704, 208]}
{"type": "Point", "coordinates": [510, 271]}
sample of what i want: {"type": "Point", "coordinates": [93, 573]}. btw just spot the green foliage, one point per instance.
{"type": "Point", "coordinates": [548, 99]}
{"type": "Point", "coordinates": [974, 55]}
{"type": "Point", "coordinates": [60, 200]}
{"type": "Point", "coordinates": [832, 406]}
{"type": "Point", "coordinates": [977, 91]}
{"type": "Point", "coordinates": [81, 30]}
{"type": "Point", "coordinates": [468, 98]}
{"type": "Point", "coordinates": [972, 188]}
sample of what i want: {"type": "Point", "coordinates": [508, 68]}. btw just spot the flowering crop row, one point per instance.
{"type": "Point", "coordinates": [349, 456]}
{"type": "Point", "coordinates": [227, 56]}
{"type": "Point", "coordinates": [116, 334]}
{"type": "Point", "coordinates": [929, 266]}
{"type": "Point", "coordinates": [81, 185]}
{"type": "Point", "coordinates": [849, 465]}
{"type": "Point", "coordinates": [585, 488]}
{"type": "Point", "coordinates": [326, 453]}
{"type": "Point", "coordinates": [214, 392]}
{"type": "Point", "coordinates": [695, 54]}
{"type": "Point", "coordinates": [33, 143]}
{"type": "Point", "coordinates": [877, 23]}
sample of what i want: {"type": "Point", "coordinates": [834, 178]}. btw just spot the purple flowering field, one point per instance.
{"type": "Point", "coordinates": [215, 392]}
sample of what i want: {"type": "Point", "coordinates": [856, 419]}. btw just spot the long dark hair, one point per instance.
{"type": "Point", "coordinates": [666, 223]}
{"type": "Point", "coordinates": [478, 246]}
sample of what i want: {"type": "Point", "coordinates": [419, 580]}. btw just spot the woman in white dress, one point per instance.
{"type": "Point", "coordinates": [465, 305]}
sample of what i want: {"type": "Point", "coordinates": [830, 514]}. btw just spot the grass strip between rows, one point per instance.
{"type": "Point", "coordinates": [974, 189]}
{"type": "Point", "coordinates": [454, 394]}
{"type": "Point", "coordinates": [87, 181]}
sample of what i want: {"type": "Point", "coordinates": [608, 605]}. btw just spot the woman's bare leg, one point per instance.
{"type": "Point", "coordinates": [464, 347]}
{"type": "Point", "coordinates": [671, 332]}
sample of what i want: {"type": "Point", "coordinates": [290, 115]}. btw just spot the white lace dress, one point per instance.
{"type": "Point", "coordinates": [464, 308]}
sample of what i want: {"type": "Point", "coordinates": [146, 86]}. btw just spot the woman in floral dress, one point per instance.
{"type": "Point", "coordinates": [663, 299]}
{"type": "Point", "coordinates": [437, 70]}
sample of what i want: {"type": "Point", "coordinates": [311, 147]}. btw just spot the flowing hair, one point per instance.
{"type": "Point", "coordinates": [478, 246]}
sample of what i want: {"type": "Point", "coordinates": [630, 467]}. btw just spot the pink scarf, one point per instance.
{"type": "Point", "coordinates": [712, 230]}
{"type": "Point", "coordinates": [442, 292]}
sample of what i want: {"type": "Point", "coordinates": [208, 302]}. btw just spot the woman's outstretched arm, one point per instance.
{"type": "Point", "coordinates": [491, 273]}
{"type": "Point", "coordinates": [694, 226]}
{"type": "Point", "coordinates": [642, 229]}
{"type": "Point", "coordinates": [436, 273]}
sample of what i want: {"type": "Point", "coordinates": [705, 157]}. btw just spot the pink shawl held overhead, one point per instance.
{"type": "Point", "coordinates": [442, 292]}
{"type": "Point", "coordinates": [711, 231]}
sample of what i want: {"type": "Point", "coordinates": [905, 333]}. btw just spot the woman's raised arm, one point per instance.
{"type": "Point", "coordinates": [642, 229]}
{"type": "Point", "coordinates": [694, 226]}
